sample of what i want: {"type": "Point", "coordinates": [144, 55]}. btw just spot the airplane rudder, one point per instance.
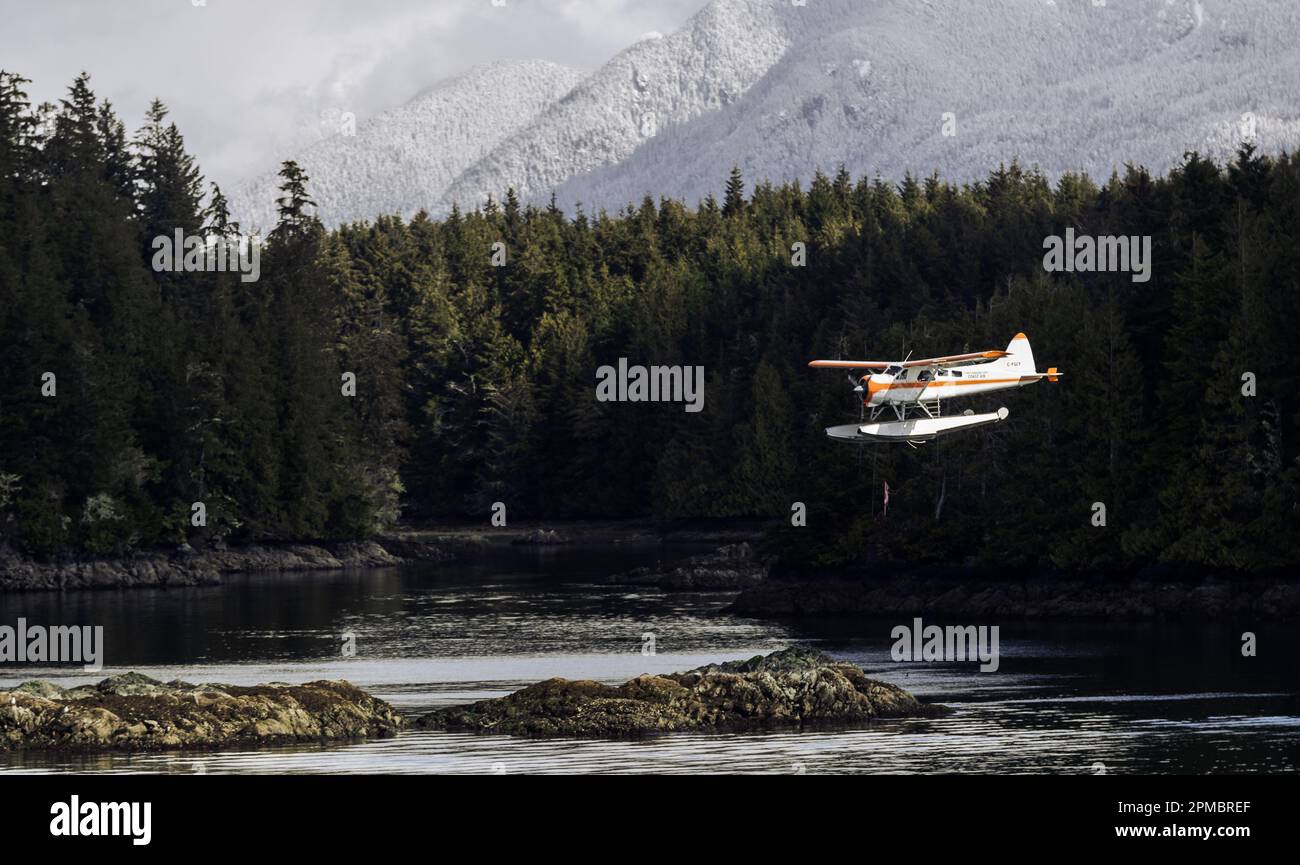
{"type": "Point", "coordinates": [1020, 353]}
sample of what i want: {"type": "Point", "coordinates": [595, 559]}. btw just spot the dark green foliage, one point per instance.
{"type": "Point", "coordinates": [475, 383]}
{"type": "Point", "coordinates": [170, 388]}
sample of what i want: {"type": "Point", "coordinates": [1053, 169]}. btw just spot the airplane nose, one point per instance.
{"type": "Point", "coordinates": [875, 387]}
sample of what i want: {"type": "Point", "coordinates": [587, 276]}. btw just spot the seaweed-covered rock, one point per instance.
{"type": "Point", "coordinates": [791, 688]}
{"type": "Point", "coordinates": [136, 713]}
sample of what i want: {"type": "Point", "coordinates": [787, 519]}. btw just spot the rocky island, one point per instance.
{"type": "Point", "coordinates": [132, 712]}
{"type": "Point", "coordinates": [791, 688]}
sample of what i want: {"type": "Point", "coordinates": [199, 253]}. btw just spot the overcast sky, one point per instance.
{"type": "Point", "coordinates": [247, 80]}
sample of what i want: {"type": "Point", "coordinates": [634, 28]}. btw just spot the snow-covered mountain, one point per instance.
{"type": "Point", "coordinates": [404, 160]}
{"type": "Point", "coordinates": [881, 86]}
{"type": "Point", "coordinates": [706, 65]}
{"type": "Point", "coordinates": [1061, 84]}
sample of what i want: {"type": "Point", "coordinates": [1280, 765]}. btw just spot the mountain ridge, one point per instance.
{"type": "Point", "coordinates": [1055, 90]}
{"type": "Point", "coordinates": [401, 160]}
{"type": "Point", "coordinates": [890, 87]}
{"type": "Point", "coordinates": [708, 63]}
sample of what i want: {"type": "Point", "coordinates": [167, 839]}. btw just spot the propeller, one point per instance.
{"type": "Point", "coordinates": [858, 390]}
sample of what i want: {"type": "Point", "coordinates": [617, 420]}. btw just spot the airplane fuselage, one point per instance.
{"type": "Point", "coordinates": [924, 384]}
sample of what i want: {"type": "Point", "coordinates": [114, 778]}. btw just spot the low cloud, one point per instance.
{"type": "Point", "coordinates": [249, 82]}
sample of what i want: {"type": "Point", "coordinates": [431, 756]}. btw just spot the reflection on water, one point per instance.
{"type": "Point", "coordinates": [1068, 697]}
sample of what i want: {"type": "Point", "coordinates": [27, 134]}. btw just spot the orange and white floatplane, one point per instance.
{"type": "Point", "coordinates": [901, 400]}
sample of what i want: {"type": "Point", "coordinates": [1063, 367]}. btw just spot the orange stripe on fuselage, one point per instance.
{"type": "Point", "coordinates": [875, 388]}
{"type": "Point", "coordinates": [905, 385]}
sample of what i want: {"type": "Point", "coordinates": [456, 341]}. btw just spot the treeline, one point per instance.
{"type": "Point", "coordinates": [474, 342]}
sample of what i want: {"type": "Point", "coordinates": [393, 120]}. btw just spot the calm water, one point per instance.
{"type": "Point", "coordinates": [1068, 698]}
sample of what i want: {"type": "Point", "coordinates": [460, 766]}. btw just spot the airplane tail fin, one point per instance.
{"type": "Point", "coordinates": [1020, 357]}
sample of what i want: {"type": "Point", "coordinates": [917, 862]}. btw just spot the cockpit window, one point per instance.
{"type": "Point", "coordinates": [893, 370]}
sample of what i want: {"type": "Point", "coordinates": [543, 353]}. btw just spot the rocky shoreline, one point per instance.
{"type": "Point", "coordinates": [132, 712]}
{"type": "Point", "coordinates": [1207, 599]}
{"type": "Point", "coordinates": [793, 688]}
{"type": "Point", "coordinates": [189, 567]}
{"type": "Point", "coordinates": [733, 566]}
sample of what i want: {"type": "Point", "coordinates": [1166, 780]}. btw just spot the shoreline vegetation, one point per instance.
{"type": "Point", "coordinates": [201, 564]}
{"type": "Point", "coordinates": [739, 563]}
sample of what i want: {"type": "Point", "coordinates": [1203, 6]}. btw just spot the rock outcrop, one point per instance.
{"type": "Point", "coordinates": [733, 566]}
{"type": "Point", "coordinates": [132, 712]}
{"type": "Point", "coordinates": [790, 688]}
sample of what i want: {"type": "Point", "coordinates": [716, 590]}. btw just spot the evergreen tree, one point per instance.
{"type": "Point", "coordinates": [733, 203]}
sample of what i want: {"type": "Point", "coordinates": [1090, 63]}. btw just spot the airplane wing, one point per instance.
{"type": "Point", "coordinates": [953, 359]}
{"type": "Point", "coordinates": [947, 360]}
{"type": "Point", "coordinates": [849, 364]}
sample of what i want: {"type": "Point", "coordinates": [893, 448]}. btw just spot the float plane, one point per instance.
{"type": "Point", "coordinates": [901, 399]}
